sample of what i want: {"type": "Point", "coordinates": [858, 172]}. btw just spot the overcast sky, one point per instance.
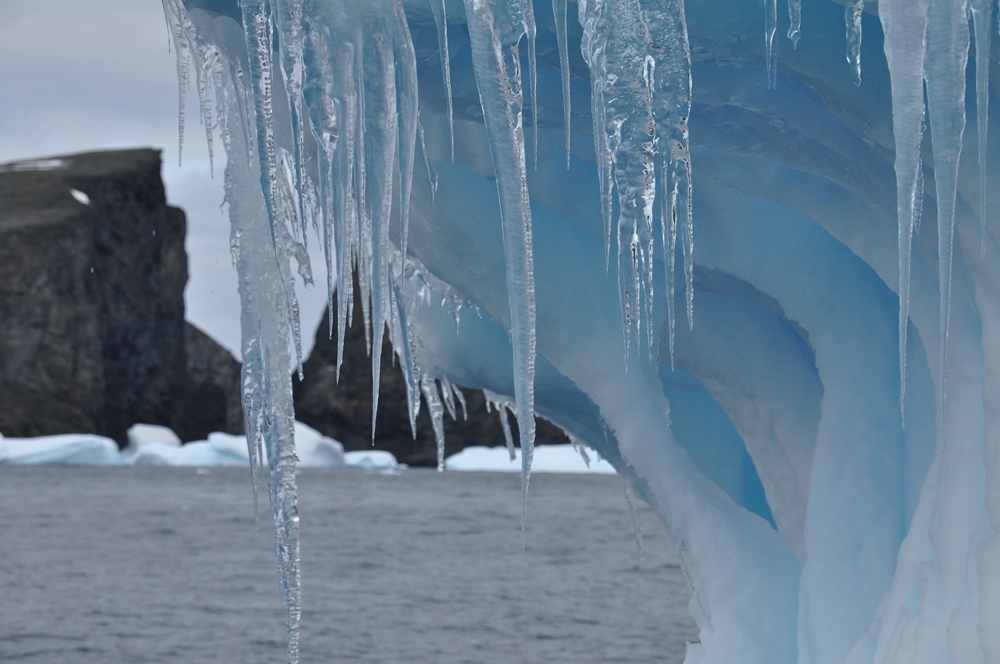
{"type": "Point", "coordinates": [78, 75]}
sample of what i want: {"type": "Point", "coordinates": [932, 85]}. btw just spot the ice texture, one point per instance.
{"type": "Point", "coordinates": [822, 439]}
{"type": "Point", "coordinates": [548, 459]}
{"type": "Point", "coordinates": [71, 449]}
{"type": "Point", "coordinates": [154, 445]}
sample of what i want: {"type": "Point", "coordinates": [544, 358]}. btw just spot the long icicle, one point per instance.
{"type": "Point", "coordinates": [905, 25]}
{"type": "Point", "coordinates": [494, 39]}
{"type": "Point", "coordinates": [770, 27]}
{"type": "Point", "coordinates": [382, 133]}
{"type": "Point", "coordinates": [559, 12]}
{"type": "Point", "coordinates": [407, 109]}
{"type": "Point", "coordinates": [852, 19]}
{"type": "Point", "coordinates": [594, 21]}
{"type": "Point", "coordinates": [440, 11]}
{"type": "Point", "coordinates": [257, 18]}
{"type": "Point", "coordinates": [671, 101]}
{"type": "Point", "coordinates": [982, 21]}
{"type": "Point", "coordinates": [947, 57]}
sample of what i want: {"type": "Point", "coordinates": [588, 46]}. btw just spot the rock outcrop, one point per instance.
{"type": "Point", "coordinates": [92, 275]}
{"type": "Point", "coordinates": [92, 330]}
{"type": "Point", "coordinates": [344, 411]}
{"type": "Point", "coordinates": [210, 398]}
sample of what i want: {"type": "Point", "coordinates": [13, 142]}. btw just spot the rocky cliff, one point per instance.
{"type": "Point", "coordinates": [92, 276]}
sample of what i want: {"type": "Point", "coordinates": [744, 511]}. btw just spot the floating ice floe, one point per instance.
{"type": "Point", "coordinates": [152, 445]}
{"type": "Point", "coordinates": [372, 459]}
{"type": "Point", "coordinates": [547, 459]}
{"type": "Point", "coordinates": [71, 449]}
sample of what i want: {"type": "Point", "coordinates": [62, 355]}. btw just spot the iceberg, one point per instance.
{"type": "Point", "coordinates": [71, 449]}
{"type": "Point", "coordinates": [370, 460]}
{"type": "Point", "coordinates": [155, 445]}
{"type": "Point", "coordinates": [547, 459]}
{"type": "Point", "coordinates": [755, 274]}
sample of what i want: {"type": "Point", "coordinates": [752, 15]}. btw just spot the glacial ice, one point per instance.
{"type": "Point", "coordinates": [823, 438]}
{"type": "Point", "coordinates": [63, 450]}
{"type": "Point", "coordinates": [153, 445]}
{"type": "Point", "coordinates": [547, 459]}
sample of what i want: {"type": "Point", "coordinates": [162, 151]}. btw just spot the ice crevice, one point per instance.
{"type": "Point", "coordinates": [826, 439]}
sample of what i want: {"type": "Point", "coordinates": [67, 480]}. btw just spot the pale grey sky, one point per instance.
{"type": "Point", "coordinates": [97, 74]}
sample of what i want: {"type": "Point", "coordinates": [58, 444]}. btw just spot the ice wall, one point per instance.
{"type": "Point", "coordinates": [531, 191]}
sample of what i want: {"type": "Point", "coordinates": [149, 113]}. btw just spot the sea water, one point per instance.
{"type": "Point", "coordinates": [166, 565]}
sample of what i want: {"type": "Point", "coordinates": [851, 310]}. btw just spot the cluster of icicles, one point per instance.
{"type": "Point", "coordinates": [321, 99]}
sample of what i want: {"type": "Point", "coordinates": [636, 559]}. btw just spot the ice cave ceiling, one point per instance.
{"type": "Point", "coordinates": [515, 195]}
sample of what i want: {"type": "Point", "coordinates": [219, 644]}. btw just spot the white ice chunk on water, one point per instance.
{"type": "Point", "coordinates": [142, 434]}
{"type": "Point", "coordinates": [71, 449]}
{"type": "Point", "coordinates": [548, 459]}
{"type": "Point", "coordinates": [221, 449]}
{"type": "Point", "coordinates": [151, 444]}
{"type": "Point", "coordinates": [371, 460]}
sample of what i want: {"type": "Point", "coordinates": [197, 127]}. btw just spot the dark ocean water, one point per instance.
{"type": "Point", "coordinates": [161, 565]}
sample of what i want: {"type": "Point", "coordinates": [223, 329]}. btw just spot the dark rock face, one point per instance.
{"type": "Point", "coordinates": [91, 295]}
{"type": "Point", "coordinates": [92, 330]}
{"type": "Point", "coordinates": [344, 411]}
{"type": "Point", "coordinates": [210, 398]}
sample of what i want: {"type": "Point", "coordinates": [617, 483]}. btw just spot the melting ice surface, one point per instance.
{"type": "Point", "coordinates": [530, 191]}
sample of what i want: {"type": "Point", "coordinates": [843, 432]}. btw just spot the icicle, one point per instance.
{"type": "Point", "coordinates": [641, 100]}
{"type": "Point", "coordinates": [685, 195]}
{"type": "Point", "coordinates": [365, 236]}
{"type": "Point", "coordinates": [430, 390]}
{"type": "Point", "coordinates": [289, 19]}
{"type": "Point", "coordinates": [382, 135]}
{"type": "Point", "coordinates": [251, 422]}
{"type": "Point", "coordinates": [593, 45]}
{"type": "Point", "coordinates": [494, 39]}
{"type": "Point", "coordinates": [268, 410]}
{"type": "Point", "coordinates": [180, 32]}
{"type": "Point", "coordinates": [206, 75]}
{"type": "Point", "coordinates": [404, 344]}
{"type": "Point", "coordinates": [905, 24]}
{"type": "Point", "coordinates": [432, 177]}
{"type": "Point", "coordinates": [636, 527]}
{"type": "Point", "coordinates": [671, 102]}
{"type": "Point", "coordinates": [259, 29]}
{"type": "Point", "coordinates": [406, 83]}
{"type": "Point", "coordinates": [347, 213]}
{"type": "Point", "coordinates": [461, 401]}
{"type": "Point", "coordinates": [670, 249]}
{"type": "Point", "coordinates": [947, 56]}
{"type": "Point", "coordinates": [982, 21]}
{"type": "Point", "coordinates": [440, 11]}
{"type": "Point", "coordinates": [770, 27]}
{"type": "Point", "coordinates": [529, 29]}
{"type": "Point", "coordinates": [559, 12]}
{"type": "Point", "coordinates": [448, 397]}
{"type": "Point", "coordinates": [580, 449]}
{"type": "Point", "coordinates": [625, 69]}
{"type": "Point", "coordinates": [261, 251]}
{"type": "Point", "coordinates": [247, 129]}
{"type": "Point", "coordinates": [852, 17]}
{"type": "Point", "coordinates": [794, 21]}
